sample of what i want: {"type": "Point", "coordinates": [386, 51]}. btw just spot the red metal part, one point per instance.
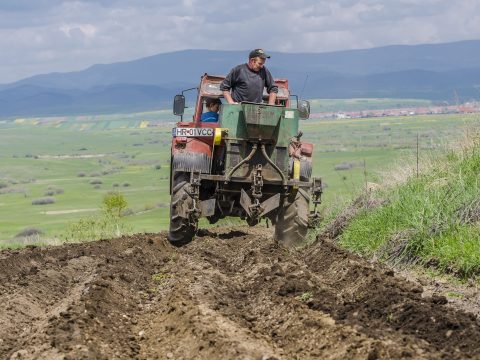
{"type": "Point", "coordinates": [192, 145]}
{"type": "Point", "coordinates": [306, 149]}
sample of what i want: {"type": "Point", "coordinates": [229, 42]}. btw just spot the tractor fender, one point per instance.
{"type": "Point", "coordinates": [192, 155]}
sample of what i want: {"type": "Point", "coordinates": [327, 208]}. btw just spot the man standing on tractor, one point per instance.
{"type": "Point", "coordinates": [246, 81]}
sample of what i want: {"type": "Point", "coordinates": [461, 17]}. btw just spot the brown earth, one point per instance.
{"type": "Point", "coordinates": [230, 294]}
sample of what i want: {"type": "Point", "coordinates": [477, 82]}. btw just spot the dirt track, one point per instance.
{"type": "Point", "coordinates": [228, 295]}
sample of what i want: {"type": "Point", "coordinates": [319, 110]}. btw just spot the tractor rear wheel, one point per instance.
{"type": "Point", "coordinates": [181, 230]}
{"type": "Point", "coordinates": [292, 221]}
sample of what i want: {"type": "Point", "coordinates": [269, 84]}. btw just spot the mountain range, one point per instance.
{"type": "Point", "coordinates": [441, 72]}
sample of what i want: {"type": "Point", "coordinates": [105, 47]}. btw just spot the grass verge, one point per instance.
{"type": "Point", "coordinates": [432, 219]}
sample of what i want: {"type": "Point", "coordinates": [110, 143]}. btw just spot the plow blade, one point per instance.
{"type": "Point", "coordinates": [259, 210]}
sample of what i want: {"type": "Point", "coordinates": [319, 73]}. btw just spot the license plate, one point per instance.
{"type": "Point", "coordinates": [193, 132]}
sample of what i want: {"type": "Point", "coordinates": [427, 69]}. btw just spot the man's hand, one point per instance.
{"type": "Point", "coordinates": [271, 98]}
{"type": "Point", "coordinates": [228, 97]}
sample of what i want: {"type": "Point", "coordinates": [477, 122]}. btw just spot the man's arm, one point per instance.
{"type": "Point", "coordinates": [227, 84]}
{"type": "Point", "coordinates": [228, 97]}
{"type": "Point", "coordinates": [272, 89]}
{"type": "Point", "coordinates": [271, 98]}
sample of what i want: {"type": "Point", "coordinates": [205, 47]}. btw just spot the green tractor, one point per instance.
{"type": "Point", "coordinates": [250, 164]}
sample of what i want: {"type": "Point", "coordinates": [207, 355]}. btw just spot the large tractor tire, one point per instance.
{"type": "Point", "coordinates": [292, 221]}
{"type": "Point", "coordinates": [181, 231]}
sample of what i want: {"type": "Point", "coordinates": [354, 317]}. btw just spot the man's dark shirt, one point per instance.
{"type": "Point", "coordinates": [247, 85]}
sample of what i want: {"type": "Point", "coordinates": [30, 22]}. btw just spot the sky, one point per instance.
{"type": "Point", "coordinates": [44, 36]}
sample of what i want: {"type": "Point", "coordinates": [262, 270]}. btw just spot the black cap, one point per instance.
{"type": "Point", "coordinates": [258, 53]}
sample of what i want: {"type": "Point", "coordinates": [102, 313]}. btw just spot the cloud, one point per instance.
{"type": "Point", "coordinates": [64, 35]}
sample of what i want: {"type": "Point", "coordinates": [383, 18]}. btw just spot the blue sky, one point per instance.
{"type": "Point", "coordinates": [43, 36]}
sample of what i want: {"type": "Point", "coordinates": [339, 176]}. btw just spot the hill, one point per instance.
{"type": "Point", "coordinates": [434, 71]}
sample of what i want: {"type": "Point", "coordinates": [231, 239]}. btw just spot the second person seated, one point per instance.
{"type": "Point", "coordinates": [213, 106]}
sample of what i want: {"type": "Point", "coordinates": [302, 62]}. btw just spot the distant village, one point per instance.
{"type": "Point", "coordinates": [466, 108]}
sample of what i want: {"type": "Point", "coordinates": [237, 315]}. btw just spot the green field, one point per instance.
{"type": "Point", "coordinates": [83, 158]}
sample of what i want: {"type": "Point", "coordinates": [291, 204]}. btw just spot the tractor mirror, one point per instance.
{"type": "Point", "coordinates": [179, 105]}
{"type": "Point", "coordinates": [303, 107]}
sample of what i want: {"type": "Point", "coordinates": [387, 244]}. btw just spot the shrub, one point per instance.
{"type": "Point", "coordinates": [114, 203]}
{"type": "Point", "coordinates": [115, 185]}
{"type": "Point", "coordinates": [126, 184]}
{"type": "Point", "coordinates": [96, 182]}
{"type": "Point", "coordinates": [101, 227]}
{"type": "Point", "coordinates": [95, 174]}
{"type": "Point", "coordinates": [29, 231]}
{"type": "Point", "coordinates": [343, 166]}
{"type": "Point", "coordinates": [3, 185]}
{"type": "Point", "coordinates": [158, 167]}
{"type": "Point", "coordinates": [50, 191]}
{"type": "Point", "coordinates": [81, 174]}
{"type": "Point", "coordinates": [43, 201]}
{"type": "Point", "coordinates": [95, 228]}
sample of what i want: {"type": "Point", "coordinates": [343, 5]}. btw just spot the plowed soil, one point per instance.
{"type": "Point", "coordinates": [230, 294]}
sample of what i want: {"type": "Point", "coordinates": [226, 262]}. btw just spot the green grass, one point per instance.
{"type": "Point", "coordinates": [433, 218]}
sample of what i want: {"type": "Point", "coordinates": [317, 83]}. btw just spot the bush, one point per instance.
{"type": "Point", "coordinates": [43, 201]}
{"type": "Point", "coordinates": [158, 167]}
{"type": "Point", "coordinates": [343, 166]}
{"type": "Point", "coordinates": [115, 185]}
{"type": "Point", "coordinates": [3, 185]}
{"type": "Point", "coordinates": [29, 231]}
{"type": "Point", "coordinates": [96, 182]}
{"type": "Point", "coordinates": [126, 184]}
{"type": "Point", "coordinates": [95, 228]}
{"type": "Point", "coordinates": [50, 191]}
{"type": "Point", "coordinates": [95, 174]}
{"type": "Point", "coordinates": [101, 227]}
{"type": "Point", "coordinates": [81, 174]}
{"type": "Point", "coordinates": [114, 203]}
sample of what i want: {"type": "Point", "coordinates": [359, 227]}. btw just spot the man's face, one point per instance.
{"type": "Point", "coordinates": [256, 63]}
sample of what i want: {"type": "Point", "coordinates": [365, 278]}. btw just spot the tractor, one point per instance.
{"type": "Point", "coordinates": [251, 164]}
